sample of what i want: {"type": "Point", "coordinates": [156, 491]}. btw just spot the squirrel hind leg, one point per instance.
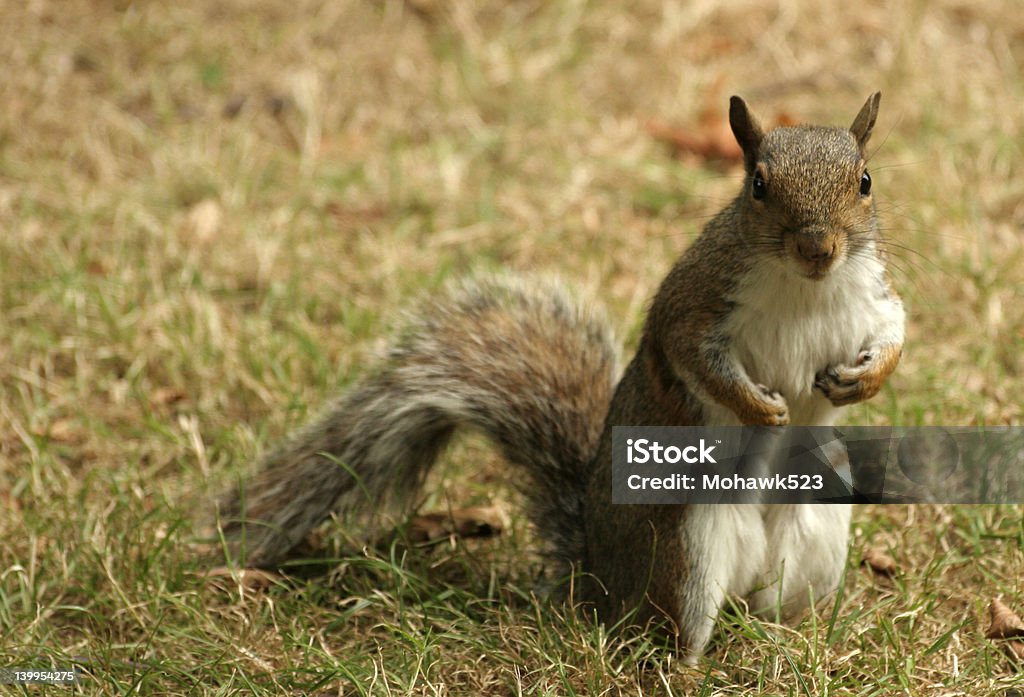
{"type": "Point", "coordinates": [727, 543]}
{"type": "Point", "coordinates": [808, 548]}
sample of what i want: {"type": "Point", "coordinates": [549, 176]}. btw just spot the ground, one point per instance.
{"type": "Point", "coordinates": [213, 212]}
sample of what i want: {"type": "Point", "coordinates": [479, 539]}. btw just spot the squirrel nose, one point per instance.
{"type": "Point", "coordinates": [815, 250]}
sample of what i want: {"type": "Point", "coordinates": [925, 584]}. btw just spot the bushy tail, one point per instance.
{"type": "Point", "coordinates": [516, 359]}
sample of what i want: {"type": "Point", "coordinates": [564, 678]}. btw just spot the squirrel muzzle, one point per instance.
{"type": "Point", "coordinates": [815, 251]}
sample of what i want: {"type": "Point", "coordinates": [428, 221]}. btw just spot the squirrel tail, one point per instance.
{"type": "Point", "coordinates": [516, 359]}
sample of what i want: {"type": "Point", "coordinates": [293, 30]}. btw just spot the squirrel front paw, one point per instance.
{"type": "Point", "coordinates": [847, 384]}
{"type": "Point", "coordinates": [770, 409]}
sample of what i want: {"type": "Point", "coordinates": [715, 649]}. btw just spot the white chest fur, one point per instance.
{"type": "Point", "coordinates": [785, 328]}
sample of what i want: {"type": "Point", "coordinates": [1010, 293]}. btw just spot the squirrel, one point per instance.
{"type": "Point", "coordinates": [780, 313]}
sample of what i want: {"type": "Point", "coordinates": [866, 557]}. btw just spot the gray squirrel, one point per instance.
{"type": "Point", "coordinates": [779, 313]}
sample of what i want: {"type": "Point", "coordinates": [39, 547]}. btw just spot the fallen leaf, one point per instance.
{"type": "Point", "coordinates": [476, 521]}
{"type": "Point", "coordinates": [233, 106]}
{"type": "Point", "coordinates": [163, 396]}
{"type": "Point", "coordinates": [250, 579]}
{"type": "Point", "coordinates": [1013, 649]}
{"type": "Point", "coordinates": [205, 220]}
{"type": "Point", "coordinates": [61, 431]}
{"type": "Point", "coordinates": [710, 139]}
{"type": "Point", "coordinates": [784, 118]}
{"type": "Point", "coordinates": [878, 561]}
{"type": "Point", "coordinates": [353, 217]}
{"type": "Point", "coordinates": [1004, 623]}
{"type": "Point", "coordinates": [9, 503]}
{"type": "Point", "coordinates": [428, 9]}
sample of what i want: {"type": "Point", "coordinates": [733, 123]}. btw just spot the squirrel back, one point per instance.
{"type": "Point", "coordinates": [779, 313]}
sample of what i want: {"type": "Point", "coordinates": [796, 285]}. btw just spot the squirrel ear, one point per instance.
{"type": "Point", "coordinates": [747, 130]}
{"type": "Point", "coordinates": [865, 121]}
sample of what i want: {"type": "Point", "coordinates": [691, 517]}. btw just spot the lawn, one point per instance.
{"type": "Point", "coordinates": [213, 213]}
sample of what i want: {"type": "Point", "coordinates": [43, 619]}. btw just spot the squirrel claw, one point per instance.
{"type": "Point", "coordinates": [842, 384]}
{"type": "Point", "coordinates": [777, 413]}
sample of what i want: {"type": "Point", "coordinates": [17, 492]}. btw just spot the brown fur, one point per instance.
{"type": "Point", "coordinates": [848, 384]}
{"type": "Point", "coordinates": [683, 359]}
{"type": "Point", "coordinates": [536, 372]}
{"type": "Point", "coordinates": [522, 362]}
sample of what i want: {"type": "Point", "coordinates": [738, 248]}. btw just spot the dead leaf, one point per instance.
{"type": "Point", "coordinates": [250, 579]}
{"type": "Point", "coordinates": [784, 118]}
{"type": "Point", "coordinates": [879, 562]}
{"type": "Point", "coordinates": [349, 217]}
{"type": "Point", "coordinates": [427, 9]}
{"type": "Point", "coordinates": [479, 521]}
{"type": "Point", "coordinates": [710, 139]}
{"type": "Point", "coordinates": [205, 220]}
{"type": "Point", "coordinates": [707, 141]}
{"type": "Point", "coordinates": [1013, 649]}
{"type": "Point", "coordinates": [233, 106]}
{"type": "Point", "coordinates": [1004, 623]}
{"type": "Point", "coordinates": [9, 503]}
{"type": "Point", "coordinates": [61, 431]}
{"type": "Point", "coordinates": [164, 396]}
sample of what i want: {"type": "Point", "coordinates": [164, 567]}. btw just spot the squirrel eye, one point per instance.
{"type": "Point", "coordinates": [759, 187]}
{"type": "Point", "coordinates": [865, 183]}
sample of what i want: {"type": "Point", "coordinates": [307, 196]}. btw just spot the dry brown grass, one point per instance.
{"type": "Point", "coordinates": [210, 212]}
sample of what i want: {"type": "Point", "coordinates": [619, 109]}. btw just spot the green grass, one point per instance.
{"type": "Point", "coordinates": [212, 213]}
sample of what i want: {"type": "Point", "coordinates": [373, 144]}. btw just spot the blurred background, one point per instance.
{"type": "Point", "coordinates": [211, 214]}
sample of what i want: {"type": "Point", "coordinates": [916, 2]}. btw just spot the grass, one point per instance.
{"type": "Point", "coordinates": [212, 213]}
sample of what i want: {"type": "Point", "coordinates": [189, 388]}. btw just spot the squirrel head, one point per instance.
{"type": "Point", "coordinates": [807, 198]}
